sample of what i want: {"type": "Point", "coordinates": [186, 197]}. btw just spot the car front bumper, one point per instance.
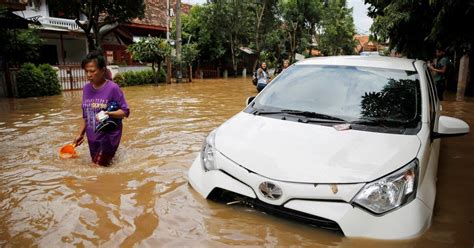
{"type": "Point", "coordinates": [326, 203]}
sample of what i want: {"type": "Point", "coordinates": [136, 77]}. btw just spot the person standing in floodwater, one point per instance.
{"type": "Point", "coordinates": [262, 76]}
{"type": "Point", "coordinates": [286, 64]}
{"type": "Point", "coordinates": [439, 71]}
{"type": "Point", "coordinates": [103, 108]}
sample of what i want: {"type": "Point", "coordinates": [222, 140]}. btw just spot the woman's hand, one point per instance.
{"type": "Point", "coordinates": [78, 140]}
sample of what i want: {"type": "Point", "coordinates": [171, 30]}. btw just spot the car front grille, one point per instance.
{"type": "Point", "coordinates": [221, 195]}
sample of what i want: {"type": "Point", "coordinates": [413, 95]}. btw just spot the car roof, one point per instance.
{"type": "Point", "coordinates": [365, 61]}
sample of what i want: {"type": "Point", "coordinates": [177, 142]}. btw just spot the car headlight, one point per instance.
{"type": "Point", "coordinates": [208, 152]}
{"type": "Point", "coordinates": [391, 191]}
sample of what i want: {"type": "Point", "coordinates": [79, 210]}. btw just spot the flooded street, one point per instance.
{"type": "Point", "coordinates": [144, 198]}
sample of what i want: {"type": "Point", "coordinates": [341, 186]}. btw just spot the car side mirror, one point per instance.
{"type": "Point", "coordinates": [450, 127]}
{"type": "Point", "coordinates": [249, 100]}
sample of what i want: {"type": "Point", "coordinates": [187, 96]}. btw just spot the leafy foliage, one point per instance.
{"type": "Point", "coordinates": [408, 24]}
{"type": "Point", "coordinates": [151, 50]}
{"type": "Point", "coordinates": [275, 29]}
{"type": "Point", "coordinates": [51, 84]}
{"type": "Point", "coordinates": [20, 46]}
{"type": "Point", "coordinates": [198, 28]}
{"type": "Point", "coordinates": [132, 78]}
{"type": "Point", "coordinates": [35, 81]}
{"type": "Point", "coordinates": [190, 53]}
{"type": "Point", "coordinates": [337, 29]}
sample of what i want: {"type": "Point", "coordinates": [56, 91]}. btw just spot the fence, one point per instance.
{"type": "Point", "coordinates": [207, 73]}
{"type": "Point", "coordinates": [71, 77]}
{"type": "Point", "coordinates": [3, 83]}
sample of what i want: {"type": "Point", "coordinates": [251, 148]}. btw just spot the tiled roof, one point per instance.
{"type": "Point", "coordinates": [155, 12]}
{"type": "Point", "coordinates": [364, 44]}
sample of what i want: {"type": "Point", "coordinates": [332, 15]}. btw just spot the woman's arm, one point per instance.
{"type": "Point", "coordinates": [118, 114]}
{"type": "Point", "coordinates": [80, 138]}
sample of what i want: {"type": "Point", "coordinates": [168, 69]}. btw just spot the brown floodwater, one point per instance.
{"type": "Point", "coordinates": [144, 199]}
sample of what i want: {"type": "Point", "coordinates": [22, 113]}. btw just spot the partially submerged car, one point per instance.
{"type": "Point", "coordinates": [344, 143]}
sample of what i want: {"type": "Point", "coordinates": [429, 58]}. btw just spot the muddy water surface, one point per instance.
{"type": "Point", "coordinates": [144, 199]}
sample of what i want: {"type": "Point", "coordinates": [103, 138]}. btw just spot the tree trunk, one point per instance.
{"type": "Point", "coordinates": [190, 75]}
{"type": "Point", "coordinates": [257, 34]}
{"type": "Point", "coordinates": [8, 79]}
{"type": "Point", "coordinates": [234, 60]}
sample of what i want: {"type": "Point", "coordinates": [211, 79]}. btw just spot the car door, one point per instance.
{"type": "Point", "coordinates": [430, 147]}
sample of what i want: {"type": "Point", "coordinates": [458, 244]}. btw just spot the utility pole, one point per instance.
{"type": "Point", "coordinates": [168, 58]}
{"type": "Point", "coordinates": [168, 20]}
{"type": "Point", "coordinates": [179, 76]}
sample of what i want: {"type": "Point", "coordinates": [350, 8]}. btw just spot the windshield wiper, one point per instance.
{"type": "Point", "coordinates": [380, 122]}
{"type": "Point", "coordinates": [311, 116]}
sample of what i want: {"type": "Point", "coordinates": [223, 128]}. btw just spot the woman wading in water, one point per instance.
{"type": "Point", "coordinates": [103, 108]}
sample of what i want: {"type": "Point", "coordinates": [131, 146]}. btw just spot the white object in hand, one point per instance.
{"type": "Point", "coordinates": [102, 116]}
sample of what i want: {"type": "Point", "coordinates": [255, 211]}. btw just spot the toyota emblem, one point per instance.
{"type": "Point", "coordinates": [270, 190]}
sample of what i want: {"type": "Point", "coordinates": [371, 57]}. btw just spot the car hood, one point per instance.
{"type": "Point", "coordinates": [310, 153]}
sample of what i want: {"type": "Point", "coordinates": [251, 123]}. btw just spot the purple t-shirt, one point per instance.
{"type": "Point", "coordinates": [93, 101]}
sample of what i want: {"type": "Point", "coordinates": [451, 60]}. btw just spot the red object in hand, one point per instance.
{"type": "Point", "coordinates": [68, 151]}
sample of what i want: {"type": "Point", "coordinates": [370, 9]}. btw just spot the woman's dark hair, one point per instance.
{"type": "Point", "coordinates": [94, 56]}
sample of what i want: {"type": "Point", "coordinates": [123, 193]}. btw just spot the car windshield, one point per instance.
{"type": "Point", "coordinates": [347, 92]}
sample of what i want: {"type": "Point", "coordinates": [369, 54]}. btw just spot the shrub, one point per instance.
{"type": "Point", "coordinates": [131, 78]}
{"type": "Point", "coordinates": [120, 80]}
{"type": "Point", "coordinates": [37, 81]}
{"type": "Point", "coordinates": [29, 81]}
{"type": "Point", "coordinates": [162, 75]}
{"type": "Point", "coordinates": [51, 81]}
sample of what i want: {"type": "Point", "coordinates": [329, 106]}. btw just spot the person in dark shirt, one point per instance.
{"type": "Point", "coordinates": [439, 72]}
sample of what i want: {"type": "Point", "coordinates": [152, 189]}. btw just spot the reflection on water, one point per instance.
{"type": "Point", "coordinates": [144, 198]}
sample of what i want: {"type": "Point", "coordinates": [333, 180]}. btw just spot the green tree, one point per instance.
{"type": "Point", "coordinates": [300, 18]}
{"type": "Point", "coordinates": [405, 23]}
{"type": "Point", "coordinates": [198, 29]}
{"type": "Point", "coordinates": [414, 28]}
{"type": "Point", "coordinates": [151, 50]}
{"type": "Point", "coordinates": [264, 12]}
{"type": "Point", "coordinates": [336, 29]}
{"type": "Point", "coordinates": [189, 55]}
{"type": "Point", "coordinates": [20, 46]}
{"type": "Point", "coordinates": [102, 15]}
{"type": "Point", "coordinates": [232, 20]}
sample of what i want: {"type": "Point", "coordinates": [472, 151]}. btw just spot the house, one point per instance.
{"type": "Point", "coordinates": [64, 40]}
{"type": "Point", "coordinates": [66, 43]}
{"type": "Point", "coordinates": [364, 44]}
{"type": "Point", "coordinates": [154, 24]}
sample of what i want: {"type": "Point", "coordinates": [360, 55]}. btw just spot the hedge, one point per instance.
{"type": "Point", "coordinates": [35, 81]}
{"type": "Point", "coordinates": [131, 78]}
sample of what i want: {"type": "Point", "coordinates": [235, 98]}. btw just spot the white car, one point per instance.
{"type": "Point", "coordinates": [344, 143]}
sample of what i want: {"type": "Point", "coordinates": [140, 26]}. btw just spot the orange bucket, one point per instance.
{"type": "Point", "coordinates": [68, 151]}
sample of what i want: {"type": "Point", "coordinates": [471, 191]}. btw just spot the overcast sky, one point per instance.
{"type": "Point", "coordinates": [361, 20]}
